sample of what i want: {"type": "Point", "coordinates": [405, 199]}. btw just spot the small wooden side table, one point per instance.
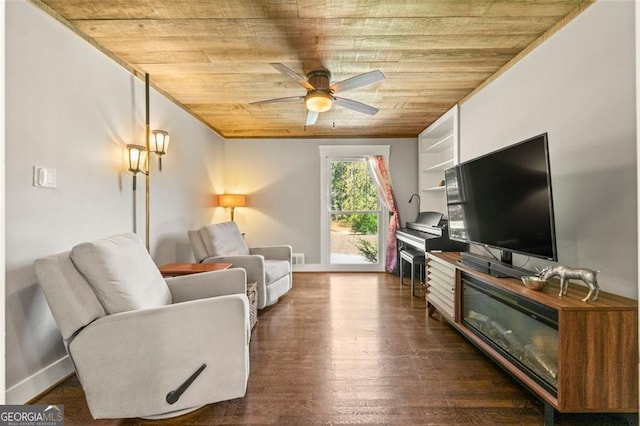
{"type": "Point", "coordinates": [176, 269]}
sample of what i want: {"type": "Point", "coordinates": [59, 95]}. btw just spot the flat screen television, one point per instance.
{"type": "Point", "coordinates": [504, 200]}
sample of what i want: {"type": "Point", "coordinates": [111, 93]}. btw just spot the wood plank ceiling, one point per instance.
{"type": "Point", "coordinates": [212, 56]}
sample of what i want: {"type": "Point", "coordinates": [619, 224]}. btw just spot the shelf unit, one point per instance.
{"type": "Point", "coordinates": [597, 353]}
{"type": "Point", "coordinates": [438, 150]}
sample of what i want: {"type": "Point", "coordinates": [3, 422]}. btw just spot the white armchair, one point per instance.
{"type": "Point", "coordinates": [269, 266]}
{"type": "Point", "coordinates": [142, 346]}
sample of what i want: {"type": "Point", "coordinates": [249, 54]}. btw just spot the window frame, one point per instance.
{"type": "Point", "coordinates": [328, 154]}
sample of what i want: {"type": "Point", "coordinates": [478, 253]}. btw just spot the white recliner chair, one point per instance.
{"type": "Point", "coordinates": [269, 266]}
{"type": "Point", "coordinates": [143, 346]}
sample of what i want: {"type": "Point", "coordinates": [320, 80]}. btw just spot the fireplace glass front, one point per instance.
{"type": "Point", "coordinates": [523, 331]}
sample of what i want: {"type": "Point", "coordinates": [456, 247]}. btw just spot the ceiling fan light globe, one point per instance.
{"type": "Point", "coordinates": [318, 101]}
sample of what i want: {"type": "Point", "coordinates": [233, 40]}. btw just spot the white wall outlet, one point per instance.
{"type": "Point", "coordinates": [44, 177]}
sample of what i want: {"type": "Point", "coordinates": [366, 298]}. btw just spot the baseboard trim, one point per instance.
{"type": "Point", "coordinates": [34, 385]}
{"type": "Point", "coordinates": [316, 267]}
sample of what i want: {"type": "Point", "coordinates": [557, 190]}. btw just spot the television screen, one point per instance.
{"type": "Point", "coordinates": [504, 200]}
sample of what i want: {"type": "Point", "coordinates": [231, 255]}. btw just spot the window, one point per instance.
{"type": "Point", "coordinates": [352, 213]}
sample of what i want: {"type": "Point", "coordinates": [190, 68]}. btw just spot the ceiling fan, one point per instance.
{"type": "Point", "coordinates": [320, 92]}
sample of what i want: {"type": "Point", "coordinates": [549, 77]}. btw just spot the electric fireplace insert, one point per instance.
{"type": "Point", "coordinates": [521, 330]}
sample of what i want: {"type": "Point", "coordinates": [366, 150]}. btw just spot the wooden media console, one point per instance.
{"type": "Point", "coordinates": [576, 356]}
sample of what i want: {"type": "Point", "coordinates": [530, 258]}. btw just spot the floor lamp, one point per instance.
{"type": "Point", "coordinates": [139, 159]}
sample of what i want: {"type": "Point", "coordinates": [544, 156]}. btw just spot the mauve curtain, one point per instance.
{"type": "Point", "coordinates": [383, 183]}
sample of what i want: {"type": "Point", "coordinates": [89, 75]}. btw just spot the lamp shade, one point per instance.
{"type": "Point", "coordinates": [232, 200]}
{"type": "Point", "coordinates": [137, 157]}
{"type": "Point", "coordinates": [318, 101]}
{"type": "Point", "coordinates": [160, 142]}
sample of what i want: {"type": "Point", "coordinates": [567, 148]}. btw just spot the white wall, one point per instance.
{"type": "Point", "coordinates": [71, 108]}
{"type": "Point", "coordinates": [282, 180]}
{"type": "Point", "coordinates": [579, 86]}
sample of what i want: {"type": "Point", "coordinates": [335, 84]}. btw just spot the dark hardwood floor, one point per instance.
{"type": "Point", "coordinates": [346, 348]}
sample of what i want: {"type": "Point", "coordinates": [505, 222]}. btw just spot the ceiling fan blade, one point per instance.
{"type": "Point", "coordinates": [271, 101]}
{"type": "Point", "coordinates": [355, 105]}
{"type": "Point", "coordinates": [312, 117]}
{"type": "Point", "coordinates": [292, 75]}
{"type": "Point", "coordinates": [357, 81]}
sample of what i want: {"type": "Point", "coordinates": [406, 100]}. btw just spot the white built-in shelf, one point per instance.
{"type": "Point", "coordinates": [440, 145]}
{"type": "Point", "coordinates": [438, 151]}
{"type": "Point", "coordinates": [440, 166]}
{"type": "Point", "coordinates": [434, 189]}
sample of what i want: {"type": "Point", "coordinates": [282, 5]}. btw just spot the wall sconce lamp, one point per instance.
{"type": "Point", "coordinates": [233, 201]}
{"type": "Point", "coordinates": [138, 154]}
{"type": "Point", "coordinates": [137, 160]}
{"type": "Point", "coordinates": [159, 145]}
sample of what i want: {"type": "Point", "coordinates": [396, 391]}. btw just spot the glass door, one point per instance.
{"type": "Point", "coordinates": [354, 214]}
